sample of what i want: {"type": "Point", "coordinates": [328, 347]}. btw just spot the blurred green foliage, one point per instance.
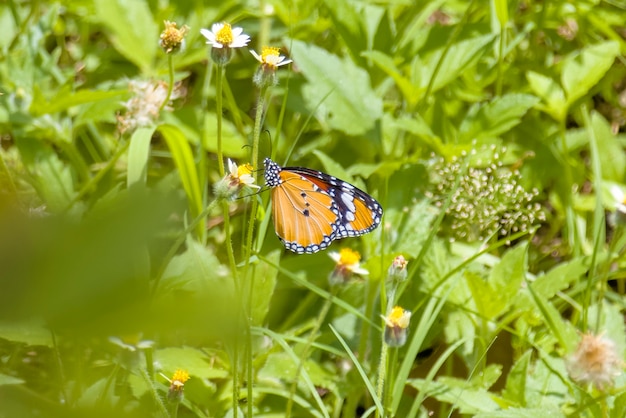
{"type": "Point", "coordinates": [115, 261]}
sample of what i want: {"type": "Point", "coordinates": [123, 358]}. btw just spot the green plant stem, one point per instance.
{"type": "Point", "coordinates": [155, 394]}
{"type": "Point", "coordinates": [219, 109]}
{"type": "Point", "coordinates": [305, 351]}
{"type": "Point", "coordinates": [382, 372]}
{"type": "Point", "coordinates": [170, 84]}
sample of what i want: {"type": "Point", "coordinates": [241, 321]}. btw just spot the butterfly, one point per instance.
{"type": "Point", "coordinates": [311, 209]}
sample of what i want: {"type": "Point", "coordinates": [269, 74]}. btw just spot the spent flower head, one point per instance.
{"type": "Point", "coordinates": [348, 263]}
{"type": "Point", "coordinates": [396, 326]}
{"type": "Point", "coordinates": [397, 271]}
{"type": "Point", "coordinates": [236, 179]}
{"type": "Point", "coordinates": [144, 107]}
{"type": "Point", "coordinates": [270, 60]}
{"type": "Point", "coordinates": [172, 39]}
{"type": "Point", "coordinates": [595, 361]}
{"type": "Point", "coordinates": [488, 200]}
{"type": "Point", "coordinates": [223, 38]}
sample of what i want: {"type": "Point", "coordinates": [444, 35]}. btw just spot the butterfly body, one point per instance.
{"type": "Point", "coordinates": [311, 209]}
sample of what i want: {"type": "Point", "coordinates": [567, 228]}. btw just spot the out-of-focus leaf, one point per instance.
{"type": "Point", "coordinates": [29, 333]}
{"type": "Point", "coordinates": [65, 98]}
{"type": "Point", "coordinates": [9, 380]}
{"type": "Point", "coordinates": [138, 153]}
{"type": "Point", "coordinates": [496, 117]}
{"type": "Point", "coordinates": [183, 158]}
{"type": "Point", "coordinates": [349, 23]}
{"type": "Point", "coordinates": [500, 290]}
{"type": "Point", "coordinates": [264, 284]}
{"type": "Point", "coordinates": [132, 30]}
{"type": "Point", "coordinates": [515, 388]}
{"type": "Point", "coordinates": [467, 399]}
{"type": "Point", "coordinates": [583, 69]}
{"type": "Point", "coordinates": [458, 57]}
{"type": "Point", "coordinates": [385, 63]}
{"type": "Point", "coordinates": [194, 361]}
{"type": "Point", "coordinates": [610, 151]}
{"type": "Point", "coordinates": [352, 106]}
{"type": "Point", "coordinates": [550, 92]}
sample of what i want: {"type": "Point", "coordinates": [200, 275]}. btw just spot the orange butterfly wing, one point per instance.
{"type": "Point", "coordinates": [311, 208]}
{"type": "Point", "coordinates": [302, 214]}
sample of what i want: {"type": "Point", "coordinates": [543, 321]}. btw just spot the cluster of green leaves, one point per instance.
{"type": "Point", "coordinates": [114, 266]}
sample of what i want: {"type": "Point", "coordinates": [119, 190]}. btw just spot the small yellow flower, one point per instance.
{"type": "Point", "coordinates": [270, 57]}
{"type": "Point", "coordinates": [177, 385]}
{"type": "Point", "coordinates": [237, 178]}
{"type": "Point", "coordinates": [222, 35]}
{"type": "Point", "coordinates": [595, 361]}
{"type": "Point", "coordinates": [397, 324]}
{"type": "Point", "coordinates": [172, 39]}
{"type": "Point", "coordinates": [180, 377]}
{"type": "Point", "coordinates": [348, 262]}
{"type": "Point", "coordinates": [241, 176]}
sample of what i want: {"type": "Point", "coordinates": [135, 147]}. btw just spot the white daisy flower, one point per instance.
{"type": "Point", "coordinates": [222, 35]}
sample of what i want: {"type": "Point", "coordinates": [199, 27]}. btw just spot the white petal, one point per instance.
{"type": "Point", "coordinates": [257, 56]}
{"type": "Point", "coordinates": [236, 32]}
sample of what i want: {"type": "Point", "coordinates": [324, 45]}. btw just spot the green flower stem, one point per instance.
{"type": "Point", "coordinates": [305, 351]}
{"type": "Point", "coordinates": [155, 394]}
{"type": "Point", "coordinates": [219, 109]}
{"type": "Point", "coordinates": [170, 84]}
{"type": "Point", "coordinates": [248, 243]}
{"type": "Point", "coordinates": [382, 371]}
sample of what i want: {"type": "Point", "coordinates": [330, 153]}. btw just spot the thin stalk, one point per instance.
{"type": "Point", "coordinates": [219, 109]}
{"type": "Point", "coordinates": [170, 84]}
{"type": "Point", "coordinates": [382, 373]}
{"type": "Point", "coordinates": [305, 351]}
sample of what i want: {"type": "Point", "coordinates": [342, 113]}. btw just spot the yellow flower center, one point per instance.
{"type": "Point", "coordinates": [348, 257]}
{"type": "Point", "coordinates": [399, 317]}
{"type": "Point", "coordinates": [180, 376]}
{"type": "Point", "coordinates": [269, 52]}
{"type": "Point", "coordinates": [244, 169]}
{"type": "Point", "coordinates": [225, 35]}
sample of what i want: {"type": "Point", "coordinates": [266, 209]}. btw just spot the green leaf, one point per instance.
{"type": "Point", "coordinates": [610, 151]}
{"type": "Point", "coordinates": [458, 393]}
{"type": "Point", "coordinates": [183, 158]}
{"type": "Point", "coordinates": [494, 118]}
{"type": "Point", "coordinates": [138, 153]}
{"type": "Point", "coordinates": [550, 92]}
{"type": "Point", "coordinates": [515, 387]}
{"type": "Point", "coordinates": [523, 413]}
{"type": "Point", "coordinates": [583, 69]}
{"type": "Point", "coordinates": [5, 379]}
{"type": "Point", "coordinates": [27, 332]}
{"type": "Point", "coordinates": [352, 106]}
{"type": "Point", "coordinates": [349, 23]}
{"type": "Point", "coordinates": [458, 58]}
{"type": "Point", "coordinates": [64, 99]}
{"type": "Point", "coordinates": [385, 63]}
{"type": "Point", "coordinates": [415, 229]}
{"type": "Point", "coordinates": [132, 30]}
{"type": "Point", "coordinates": [493, 296]}
{"type": "Point", "coordinates": [192, 360]}
{"type": "Point", "coordinates": [264, 284]}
